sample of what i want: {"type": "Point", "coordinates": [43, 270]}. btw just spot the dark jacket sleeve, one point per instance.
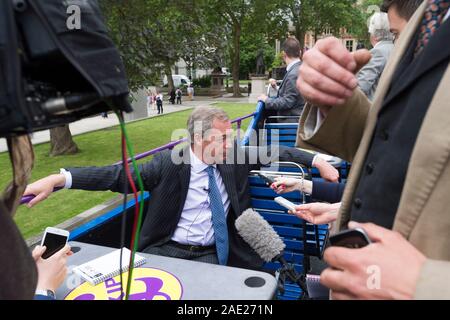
{"type": "Point", "coordinates": [257, 156]}
{"type": "Point", "coordinates": [112, 177]}
{"type": "Point", "coordinates": [289, 96]}
{"type": "Point", "coordinates": [327, 191]}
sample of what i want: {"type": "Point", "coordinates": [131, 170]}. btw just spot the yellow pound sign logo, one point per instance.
{"type": "Point", "coordinates": [147, 284]}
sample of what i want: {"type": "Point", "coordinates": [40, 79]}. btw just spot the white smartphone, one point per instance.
{"type": "Point", "coordinates": [54, 240]}
{"type": "Point", "coordinates": [285, 203]}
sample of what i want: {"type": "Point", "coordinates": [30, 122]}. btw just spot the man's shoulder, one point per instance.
{"type": "Point", "coordinates": [382, 49]}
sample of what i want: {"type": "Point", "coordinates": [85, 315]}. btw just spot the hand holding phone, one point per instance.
{"type": "Point", "coordinates": [285, 203]}
{"type": "Point", "coordinates": [268, 181]}
{"type": "Point", "coordinates": [351, 238]}
{"type": "Point", "coordinates": [54, 240]}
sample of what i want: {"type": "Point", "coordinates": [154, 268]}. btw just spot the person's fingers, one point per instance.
{"type": "Point", "coordinates": [362, 57]}
{"type": "Point", "coordinates": [28, 191]}
{"type": "Point", "coordinates": [333, 70]}
{"type": "Point", "coordinates": [304, 207]}
{"type": "Point", "coordinates": [38, 251]}
{"type": "Point", "coordinates": [306, 215]}
{"type": "Point", "coordinates": [37, 199]}
{"type": "Point", "coordinates": [342, 295]}
{"type": "Point", "coordinates": [334, 176]}
{"type": "Point", "coordinates": [317, 97]}
{"type": "Point", "coordinates": [375, 233]}
{"type": "Point", "coordinates": [340, 257]}
{"type": "Point", "coordinates": [325, 84]}
{"type": "Point", "coordinates": [63, 252]}
{"type": "Point", "coordinates": [334, 49]}
{"type": "Point", "coordinates": [336, 280]}
{"type": "Point", "coordinates": [278, 182]}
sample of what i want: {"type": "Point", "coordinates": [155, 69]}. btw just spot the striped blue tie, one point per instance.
{"type": "Point", "coordinates": [218, 218]}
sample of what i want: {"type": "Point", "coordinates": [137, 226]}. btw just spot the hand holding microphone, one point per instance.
{"type": "Point", "coordinates": [262, 238]}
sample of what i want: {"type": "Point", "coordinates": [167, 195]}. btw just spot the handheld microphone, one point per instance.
{"type": "Point", "coordinates": [262, 238]}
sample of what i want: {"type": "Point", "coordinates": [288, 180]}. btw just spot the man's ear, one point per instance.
{"type": "Point", "coordinates": [198, 138]}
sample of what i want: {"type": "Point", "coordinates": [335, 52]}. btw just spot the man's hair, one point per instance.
{"type": "Point", "coordinates": [379, 27]}
{"type": "Point", "coordinates": [291, 47]}
{"type": "Point", "coordinates": [405, 8]}
{"type": "Point", "coordinates": [202, 118]}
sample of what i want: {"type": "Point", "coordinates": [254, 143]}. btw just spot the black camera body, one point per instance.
{"type": "Point", "coordinates": [52, 74]}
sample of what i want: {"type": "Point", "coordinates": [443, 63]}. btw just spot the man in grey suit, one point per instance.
{"type": "Point", "coordinates": [289, 101]}
{"type": "Point", "coordinates": [197, 193]}
{"type": "Point", "coordinates": [382, 42]}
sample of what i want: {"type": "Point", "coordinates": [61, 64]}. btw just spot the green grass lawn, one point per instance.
{"type": "Point", "coordinates": [98, 148]}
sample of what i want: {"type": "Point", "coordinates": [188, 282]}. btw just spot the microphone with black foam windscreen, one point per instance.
{"type": "Point", "coordinates": [262, 238]}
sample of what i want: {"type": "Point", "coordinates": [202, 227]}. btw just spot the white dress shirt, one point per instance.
{"type": "Point", "coordinates": [195, 225]}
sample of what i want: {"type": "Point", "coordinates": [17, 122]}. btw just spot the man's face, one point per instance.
{"type": "Point", "coordinates": [396, 22]}
{"type": "Point", "coordinates": [217, 142]}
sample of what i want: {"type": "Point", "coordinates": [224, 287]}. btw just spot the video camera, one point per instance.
{"type": "Point", "coordinates": [52, 74]}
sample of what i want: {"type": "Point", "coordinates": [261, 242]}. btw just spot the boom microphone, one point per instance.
{"type": "Point", "coordinates": [259, 234]}
{"type": "Point", "coordinates": [262, 238]}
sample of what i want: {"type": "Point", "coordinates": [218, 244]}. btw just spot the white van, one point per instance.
{"type": "Point", "coordinates": [178, 80]}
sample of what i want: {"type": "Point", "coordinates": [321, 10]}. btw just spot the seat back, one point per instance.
{"type": "Point", "coordinates": [302, 239]}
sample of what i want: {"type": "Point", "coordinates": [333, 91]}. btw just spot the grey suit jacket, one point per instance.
{"type": "Point", "coordinates": [289, 101]}
{"type": "Point", "coordinates": [370, 74]}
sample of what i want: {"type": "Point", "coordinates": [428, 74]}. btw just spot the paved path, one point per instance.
{"type": "Point", "coordinates": [98, 122]}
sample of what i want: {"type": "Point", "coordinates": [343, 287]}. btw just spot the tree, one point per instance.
{"type": "Point", "coordinates": [238, 17]}
{"type": "Point", "coordinates": [152, 35]}
{"type": "Point", "coordinates": [320, 16]}
{"type": "Point", "coordinates": [360, 28]}
{"type": "Point", "coordinates": [251, 43]}
{"type": "Point", "coordinates": [61, 142]}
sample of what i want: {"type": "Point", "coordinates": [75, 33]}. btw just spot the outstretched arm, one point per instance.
{"type": "Point", "coordinates": [96, 179]}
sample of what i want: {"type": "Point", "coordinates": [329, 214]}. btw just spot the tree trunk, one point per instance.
{"type": "Point", "coordinates": [300, 35]}
{"type": "Point", "coordinates": [61, 142]}
{"type": "Point", "coordinates": [168, 72]}
{"type": "Point", "coordinates": [236, 59]}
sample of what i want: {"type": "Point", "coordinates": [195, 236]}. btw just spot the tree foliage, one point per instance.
{"type": "Point", "coordinates": [152, 35]}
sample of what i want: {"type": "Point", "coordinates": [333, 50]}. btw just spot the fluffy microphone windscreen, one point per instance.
{"type": "Point", "coordinates": [258, 233]}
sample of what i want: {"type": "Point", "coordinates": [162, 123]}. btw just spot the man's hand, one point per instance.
{"type": "Point", "coordinates": [386, 269]}
{"type": "Point", "coordinates": [317, 213]}
{"type": "Point", "coordinates": [42, 188]}
{"type": "Point", "coordinates": [326, 170]}
{"type": "Point", "coordinates": [263, 98]}
{"type": "Point", "coordinates": [327, 74]}
{"type": "Point", "coordinates": [51, 271]}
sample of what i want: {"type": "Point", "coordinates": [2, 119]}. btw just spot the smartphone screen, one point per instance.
{"type": "Point", "coordinates": [353, 239]}
{"type": "Point", "coordinates": [54, 243]}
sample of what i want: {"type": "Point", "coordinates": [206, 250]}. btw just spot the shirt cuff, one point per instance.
{"type": "Point", "coordinates": [316, 157]}
{"type": "Point", "coordinates": [319, 121]}
{"type": "Point", "coordinates": [68, 177]}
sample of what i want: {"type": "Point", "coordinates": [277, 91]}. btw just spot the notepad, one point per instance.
{"type": "Point", "coordinates": [107, 266]}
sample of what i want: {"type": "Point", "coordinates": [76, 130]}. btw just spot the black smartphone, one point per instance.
{"type": "Point", "coordinates": [268, 181]}
{"type": "Point", "coordinates": [351, 238]}
{"type": "Point", "coordinates": [54, 240]}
